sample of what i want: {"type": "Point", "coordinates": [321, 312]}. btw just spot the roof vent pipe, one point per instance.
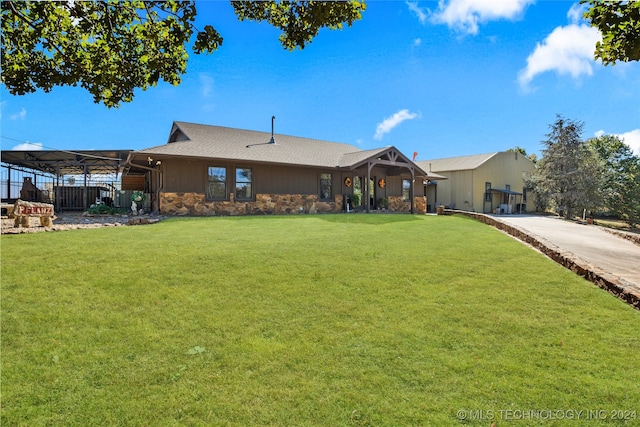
{"type": "Point", "coordinates": [272, 141]}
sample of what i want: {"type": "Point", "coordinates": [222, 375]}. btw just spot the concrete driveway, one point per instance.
{"type": "Point", "coordinates": [590, 243]}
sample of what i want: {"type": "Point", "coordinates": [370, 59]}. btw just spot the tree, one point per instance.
{"type": "Point", "coordinates": [619, 23]}
{"type": "Point", "coordinates": [523, 151]}
{"type": "Point", "coordinates": [568, 173]}
{"type": "Point", "coordinates": [621, 177]}
{"type": "Point", "coordinates": [112, 47]}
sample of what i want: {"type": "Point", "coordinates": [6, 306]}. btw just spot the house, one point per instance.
{"type": "Point", "coordinates": [487, 183]}
{"type": "Point", "coordinates": [214, 170]}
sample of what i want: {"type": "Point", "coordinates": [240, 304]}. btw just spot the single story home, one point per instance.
{"type": "Point", "coordinates": [487, 183]}
{"type": "Point", "coordinates": [214, 170]}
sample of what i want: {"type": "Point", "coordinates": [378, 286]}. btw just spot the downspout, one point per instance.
{"type": "Point", "coordinates": [473, 182]}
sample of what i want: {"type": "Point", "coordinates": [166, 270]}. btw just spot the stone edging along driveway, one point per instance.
{"type": "Point", "coordinates": [623, 289]}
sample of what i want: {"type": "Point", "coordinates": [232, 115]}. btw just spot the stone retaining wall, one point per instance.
{"type": "Point", "coordinates": [617, 286]}
{"type": "Point", "coordinates": [633, 238]}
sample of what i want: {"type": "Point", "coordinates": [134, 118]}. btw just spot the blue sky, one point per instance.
{"type": "Point", "coordinates": [439, 78]}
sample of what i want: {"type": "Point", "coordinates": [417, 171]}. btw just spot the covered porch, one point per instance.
{"type": "Point", "coordinates": [504, 201]}
{"type": "Point", "coordinates": [384, 179]}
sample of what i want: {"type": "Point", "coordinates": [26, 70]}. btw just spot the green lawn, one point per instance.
{"type": "Point", "coordinates": [326, 320]}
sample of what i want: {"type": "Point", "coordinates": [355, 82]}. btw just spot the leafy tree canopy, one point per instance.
{"type": "Point", "coordinates": [619, 23]}
{"type": "Point", "coordinates": [621, 177]}
{"type": "Point", "coordinates": [112, 47]}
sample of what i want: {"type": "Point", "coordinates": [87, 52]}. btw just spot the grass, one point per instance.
{"type": "Point", "coordinates": [332, 320]}
{"type": "Point", "coordinates": [617, 224]}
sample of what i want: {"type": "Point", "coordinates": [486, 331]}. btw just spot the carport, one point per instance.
{"type": "Point", "coordinates": [71, 180]}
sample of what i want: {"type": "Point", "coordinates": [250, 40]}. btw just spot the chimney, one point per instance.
{"type": "Point", "coordinates": [272, 141]}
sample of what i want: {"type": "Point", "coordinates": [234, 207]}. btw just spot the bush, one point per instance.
{"type": "Point", "coordinates": [103, 210]}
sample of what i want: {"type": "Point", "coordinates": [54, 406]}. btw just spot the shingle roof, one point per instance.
{"type": "Point", "coordinates": [455, 163]}
{"type": "Point", "coordinates": [239, 144]}
{"type": "Point", "coordinates": [353, 158]}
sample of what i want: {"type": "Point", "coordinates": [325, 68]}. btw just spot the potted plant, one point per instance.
{"type": "Point", "coordinates": [355, 200]}
{"type": "Point", "coordinates": [137, 198]}
{"type": "Point", "coordinates": [383, 203]}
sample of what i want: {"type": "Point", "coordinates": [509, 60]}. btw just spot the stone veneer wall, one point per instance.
{"type": "Point", "coordinates": [265, 204]}
{"type": "Point", "coordinates": [268, 204]}
{"type": "Point", "coordinates": [397, 204]}
{"type": "Point", "coordinates": [420, 204]}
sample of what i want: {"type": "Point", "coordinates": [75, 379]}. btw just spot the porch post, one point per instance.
{"type": "Point", "coordinates": [368, 190]}
{"type": "Point", "coordinates": [412, 195]}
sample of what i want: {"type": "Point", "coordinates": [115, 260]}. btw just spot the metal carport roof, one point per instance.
{"type": "Point", "coordinates": [61, 162]}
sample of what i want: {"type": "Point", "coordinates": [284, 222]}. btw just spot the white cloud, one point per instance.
{"type": "Point", "coordinates": [465, 15]}
{"type": "Point", "coordinates": [28, 146]}
{"type": "Point", "coordinates": [391, 122]}
{"type": "Point", "coordinates": [419, 12]}
{"type": "Point", "coordinates": [417, 42]}
{"type": "Point", "coordinates": [19, 116]}
{"type": "Point", "coordinates": [576, 12]}
{"type": "Point", "coordinates": [206, 85]}
{"type": "Point", "coordinates": [631, 138]}
{"type": "Point", "coordinates": [567, 50]}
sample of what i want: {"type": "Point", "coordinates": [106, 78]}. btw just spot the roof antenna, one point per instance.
{"type": "Point", "coordinates": [272, 141]}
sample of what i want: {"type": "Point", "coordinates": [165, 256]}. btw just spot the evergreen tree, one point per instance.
{"type": "Point", "coordinates": [569, 173]}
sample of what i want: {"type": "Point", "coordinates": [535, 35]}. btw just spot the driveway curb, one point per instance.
{"type": "Point", "coordinates": [621, 288]}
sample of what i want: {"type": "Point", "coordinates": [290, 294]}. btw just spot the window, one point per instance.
{"type": "Point", "coordinates": [326, 186]}
{"type": "Point", "coordinates": [217, 183]}
{"type": "Point", "coordinates": [244, 180]}
{"type": "Point", "coordinates": [524, 195]}
{"type": "Point", "coordinates": [487, 191]}
{"type": "Point", "coordinates": [406, 189]}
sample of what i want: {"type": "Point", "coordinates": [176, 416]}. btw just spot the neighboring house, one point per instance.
{"type": "Point", "coordinates": [481, 183]}
{"type": "Point", "coordinates": [213, 170]}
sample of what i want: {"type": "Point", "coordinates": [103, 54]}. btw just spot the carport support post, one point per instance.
{"type": "Point", "coordinates": [85, 196]}
{"type": "Point", "coordinates": [8, 182]}
{"type": "Point", "coordinates": [56, 190]}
